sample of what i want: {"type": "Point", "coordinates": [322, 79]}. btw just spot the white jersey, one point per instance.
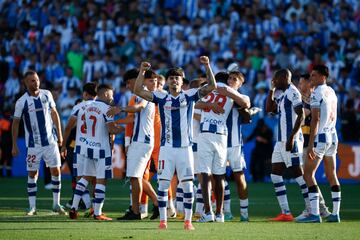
{"type": "Point", "coordinates": [176, 115]}
{"type": "Point", "coordinates": [78, 111]}
{"type": "Point", "coordinates": [36, 114]}
{"type": "Point", "coordinates": [144, 123]}
{"type": "Point", "coordinates": [325, 99]}
{"type": "Point", "coordinates": [212, 122]}
{"type": "Point", "coordinates": [286, 103]}
{"type": "Point", "coordinates": [96, 141]}
{"type": "Point", "coordinates": [233, 124]}
{"type": "Point", "coordinates": [196, 126]}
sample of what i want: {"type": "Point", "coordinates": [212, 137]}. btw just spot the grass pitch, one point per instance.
{"type": "Point", "coordinates": [263, 204]}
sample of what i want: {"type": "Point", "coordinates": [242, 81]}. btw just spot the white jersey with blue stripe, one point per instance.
{"type": "Point", "coordinates": [213, 122]}
{"type": "Point", "coordinates": [176, 115]}
{"type": "Point", "coordinates": [233, 124]}
{"type": "Point", "coordinates": [36, 114]}
{"type": "Point", "coordinates": [95, 139]}
{"type": "Point", "coordinates": [286, 103]}
{"type": "Point", "coordinates": [143, 130]}
{"type": "Point", "coordinates": [78, 111]}
{"type": "Point", "coordinates": [325, 99]}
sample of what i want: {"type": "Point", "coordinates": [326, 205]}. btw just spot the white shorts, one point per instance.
{"type": "Point", "coordinates": [137, 158]}
{"type": "Point", "coordinates": [235, 156]}
{"type": "Point", "coordinates": [50, 154]}
{"type": "Point", "coordinates": [293, 158]}
{"type": "Point", "coordinates": [212, 149]}
{"type": "Point", "coordinates": [79, 164]}
{"type": "Point", "coordinates": [176, 159]}
{"type": "Point", "coordinates": [196, 159]}
{"type": "Point", "coordinates": [100, 168]}
{"type": "Point", "coordinates": [325, 149]}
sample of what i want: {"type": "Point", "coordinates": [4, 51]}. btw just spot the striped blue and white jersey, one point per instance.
{"type": "Point", "coordinates": [36, 114]}
{"type": "Point", "coordinates": [95, 139]}
{"type": "Point", "coordinates": [233, 124]}
{"type": "Point", "coordinates": [286, 103]}
{"type": "Point", "coordinates": [325, 99]}
{"type": "Point", "coordinates": [176, 115]}
{"type": "Point", "coordinates": [78, 111]}
{"type": "Point", "coordinates": [212, 122]}
{"type": "Point", "coordinates": [143, 130]}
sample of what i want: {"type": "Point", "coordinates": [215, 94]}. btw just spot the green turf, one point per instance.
{"type": "Point", "coordinates": [263, 204]}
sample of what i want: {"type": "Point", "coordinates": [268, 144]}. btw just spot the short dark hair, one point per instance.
{"type": "Point", "coordinates": [305, 76]}
{"type": "Point", "coordinates": [175, 72]}
{"type": "Point", "coordinates": [282, 73]}
{"type": "Point", "coordinates": [222, 77]}
{"type": "Point", "coordinates": [150, 74]}
{"type": "Point", "coordinates": [131, 74]}
{"type": "Point", "coordinates": [196, 83]}
{"type": "Point", "coordinates": [104, 87]}
{"type": "Point", "coordinates": [29, 73]}
{"type": "Point", "coordinates": [90, 88]}
{"type": "Point", "coordinates": [322, 69]}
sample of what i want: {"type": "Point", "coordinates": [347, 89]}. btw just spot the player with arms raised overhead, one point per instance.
{"type": "Point", "coordinates": [37, 109]}
{"type": "Point", "coordinates": [176, 113]}
{"type": "Point", "coordinates": [323, 143]}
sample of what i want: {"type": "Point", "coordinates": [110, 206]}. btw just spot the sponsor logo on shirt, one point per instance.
{"type": "Point", "coordinates": [90, 143]}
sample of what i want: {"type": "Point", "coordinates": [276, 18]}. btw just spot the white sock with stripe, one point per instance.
{"type": "Point", "coordinates": [280, 191]}
{"type": "Point", "coordinates": [32, 190]}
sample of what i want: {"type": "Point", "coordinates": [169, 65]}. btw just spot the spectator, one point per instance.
{"type": "Point", "coordinates": [261, 154]}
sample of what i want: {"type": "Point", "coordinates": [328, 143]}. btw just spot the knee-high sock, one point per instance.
{"type": "Point", "coordinates": [336, 199]}
{"type": "Point", "coordinates": [32, 190]}
{"type": "Point", "coordinates": [188, 188]}
{"type": "Point", "coordinates": [314, 200]}
{"type": "Point", "coordinates": [99, 198]}
{"type": "Point", "coordinates": [227, 198]}
{"type": "Point", "coordinates": [86, 198]}
{"type": "Point", "coordinates": [199, 200]}
{"type": "Point", "coordinates": [163, 198]}
{"type": "Point", "coordinates": [280, 191]}
{"type": "Point", "coordinates": [244, 206]}
{"type": "Point", "coordinates": [179, 199]}
{"type": "Point", "coordinates": [304, 190]}
{"type": "Point", "coordinates": [56, 187]}
{"type": "Point", "coordinates": [79, 191]}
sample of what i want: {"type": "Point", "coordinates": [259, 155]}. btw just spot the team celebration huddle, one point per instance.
{"type": "Point", "coordinates": [187, 136]}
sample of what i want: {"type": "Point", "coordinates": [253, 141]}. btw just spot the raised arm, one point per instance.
{"type": "Point", "coordinates": [205, 90]}
{"type": "Point", "coordinates": [56, 120]}
{"type": "Point", "coordinates": [138, 88]}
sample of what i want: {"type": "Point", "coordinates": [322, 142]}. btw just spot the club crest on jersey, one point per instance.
{"type": "Point", "coordinates": [295, 96]}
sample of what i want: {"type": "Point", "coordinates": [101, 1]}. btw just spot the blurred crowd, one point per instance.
{"type": "Point", "coordinates": [73, 42]}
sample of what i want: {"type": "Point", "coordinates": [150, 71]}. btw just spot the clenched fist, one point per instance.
{"type": "Point", "coordinates": [204, 60]}
{"type": "Point", "coordinates": [145, 66]}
